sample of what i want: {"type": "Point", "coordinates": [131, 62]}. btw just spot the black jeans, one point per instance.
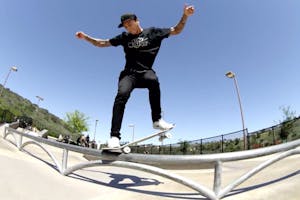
{"type": "Point", "coordinates": [127, 82]}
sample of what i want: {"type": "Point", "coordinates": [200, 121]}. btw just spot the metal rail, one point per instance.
{"type": "Point", "coordinates": [154, 163]}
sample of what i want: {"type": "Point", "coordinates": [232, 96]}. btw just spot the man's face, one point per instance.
{"type": "Point", "coordinates": [132, 26]}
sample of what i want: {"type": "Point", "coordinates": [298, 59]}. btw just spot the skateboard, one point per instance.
{"type": "Point", "coordinates": [126, 149]}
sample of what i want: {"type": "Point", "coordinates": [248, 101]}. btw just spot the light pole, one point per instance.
{"type": "Point", "coordinates": [39, 100]}
{"type": "Point", "coordinates": [15, 69]}
{"type": "Point", "coordinates": [38, 103]}
{"type": "Point", "coordinates": [132, 126]}
{"type": "Point", "coordinates": [96, 122]}
{"type": "Point", "coordinates": [233, 76]}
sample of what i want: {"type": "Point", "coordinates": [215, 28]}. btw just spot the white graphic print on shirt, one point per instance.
{"type": "Point", "coordinates": [138, 42]}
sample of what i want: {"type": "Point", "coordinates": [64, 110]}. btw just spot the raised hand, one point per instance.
{"type": "Point", "coordinates": [188, 10]}
{"type": "Point", "coordinates": [80, 35]}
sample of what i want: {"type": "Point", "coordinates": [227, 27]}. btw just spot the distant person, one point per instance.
{"type": "Point", "coordinates": [140, 47]}
{"type": "Point", "coordinates": [60, 138]}
{"type": "Point", "coordinates": [78, 141]}
{"type": "Point", "coordinates": [87, 140]}
{"type": "Point", "coordinates": [93, 144]}
{"type": "Point", "coordinates": [81, 141]}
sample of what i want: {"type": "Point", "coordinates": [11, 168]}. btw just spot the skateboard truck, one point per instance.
{"type": "Point", "coordinates": [164, 136]}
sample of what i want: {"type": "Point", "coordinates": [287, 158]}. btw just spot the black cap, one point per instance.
{"type": "Point", "coordinates": [126, 17]}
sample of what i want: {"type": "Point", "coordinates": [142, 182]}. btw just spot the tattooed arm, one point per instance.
{"type": "Point", "coordinates": [94, 41]}
{"type": "Point", "coordinates": [187, 11]}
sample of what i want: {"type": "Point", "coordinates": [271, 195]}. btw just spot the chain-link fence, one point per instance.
{"type": "Point", "coordinates": [284, 132]}
{"type": "Point", "coordinates": [218, 144]}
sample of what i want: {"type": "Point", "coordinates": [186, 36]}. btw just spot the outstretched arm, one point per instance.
{"type": "Point", "coordinates": [94, 41]}
{"type": "Point", "coordinates": [187, 11]}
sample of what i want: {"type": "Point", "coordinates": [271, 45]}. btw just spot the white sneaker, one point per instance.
{"type": "Point", "coordinates": [113, 142]}
{"type": "Point", "coordinates": [162, 125]}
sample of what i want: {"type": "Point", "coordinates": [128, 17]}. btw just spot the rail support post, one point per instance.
{"type": "Point", "coordinates": [218, 177]}
{"type": "Point", "coordinates": [64, 160]}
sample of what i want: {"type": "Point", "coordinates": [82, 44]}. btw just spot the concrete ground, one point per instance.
{"type": "Point", "coordinates": [30, 175]}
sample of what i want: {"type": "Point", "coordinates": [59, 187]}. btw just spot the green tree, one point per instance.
{"type": "Point", "coordinates": [76, 122]}
{"type": "Point", "coordinates": [288, 114]}
{"type": "Point", "coordinates": [287, 123]}
{"type": "Point", "coordinates": [184, 146]}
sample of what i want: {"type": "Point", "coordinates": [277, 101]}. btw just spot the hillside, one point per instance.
{"type": "Point", "coordinates": [13, 106]}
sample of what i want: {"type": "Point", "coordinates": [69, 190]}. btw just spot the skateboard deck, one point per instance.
{"type": "Point", "coordinates": [126, 149]}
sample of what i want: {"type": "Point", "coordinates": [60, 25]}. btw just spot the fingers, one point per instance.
{"type": "Point", "coordinates": [186, 6]}
{"type": "Point", "coordinates": [79, 35]}
{"type": "Point", "coordinates": [189, 9]}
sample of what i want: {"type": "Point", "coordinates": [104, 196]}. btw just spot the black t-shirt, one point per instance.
{"type": "Point", "coordinates": [141, 49]}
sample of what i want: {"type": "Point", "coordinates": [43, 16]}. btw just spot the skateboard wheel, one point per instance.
{"type": "Point", "coordinates": [126, 150]}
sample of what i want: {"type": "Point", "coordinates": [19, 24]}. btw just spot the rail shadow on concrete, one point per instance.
{"type": "Point", "coordinates": [136, 182]}
{"type": "Point", "coordinates": [265, 184]}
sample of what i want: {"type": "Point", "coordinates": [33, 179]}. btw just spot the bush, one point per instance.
{"type": "Point", "coordinates": [25, 121]}
{"type": "Point", "coordinates": [6, 116]}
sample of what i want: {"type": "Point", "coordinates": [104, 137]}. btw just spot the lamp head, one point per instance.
{"type": "Point", "coordinates": [230, 74]}
{"type": "Point", "coordinates": [14, 68]}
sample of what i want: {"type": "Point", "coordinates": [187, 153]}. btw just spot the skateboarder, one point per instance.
{"type": "Point", "coordinates": [140, 47]}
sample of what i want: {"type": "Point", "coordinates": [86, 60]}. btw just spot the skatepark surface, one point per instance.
{"type": "Point", "coordinates": [31, 175]}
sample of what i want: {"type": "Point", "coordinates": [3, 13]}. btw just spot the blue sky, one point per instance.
{"type": "Point", "coordinates": [256, 39]}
